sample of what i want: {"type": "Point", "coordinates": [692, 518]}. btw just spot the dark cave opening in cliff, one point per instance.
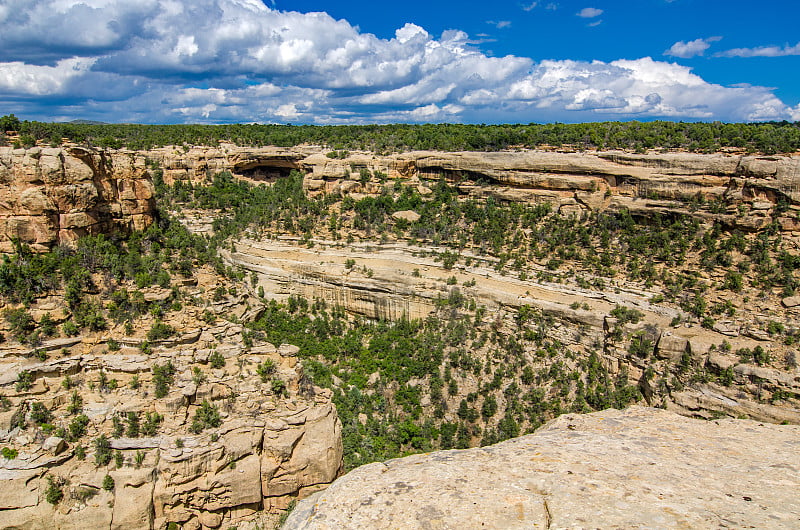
{"type": "Point", "coordinates": [458, 176]}
{"type": "Point", "coordinates": [265, 172]}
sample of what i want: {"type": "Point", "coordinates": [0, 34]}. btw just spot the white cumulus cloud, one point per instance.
{"type": "Point", "coordinates": [589, 12]}
{"type": "Point", "coordinates": [762, 51]}
{"type": "Point", "coordinates": [210, 61]}
{"type": "Point", "coordinates": [687, 50]}
{"type": "Point", "coordinates": [21, 78]}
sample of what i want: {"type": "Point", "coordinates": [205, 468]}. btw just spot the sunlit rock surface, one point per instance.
{"type": "Point", "coordinates": [637, 468]}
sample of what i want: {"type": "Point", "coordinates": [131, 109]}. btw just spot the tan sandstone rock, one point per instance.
{"type": "Point", "coordinates": [56, 195]}
{"type": "Point", "coordinates": [637, 468]}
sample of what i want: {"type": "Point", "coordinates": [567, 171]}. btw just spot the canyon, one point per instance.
{"type": "Point", "coordinates": [273, 447]}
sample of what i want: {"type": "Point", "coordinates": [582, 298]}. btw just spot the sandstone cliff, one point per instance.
{"type": "Point", "coordinates": [744, 189]}
{"type": "Point", "coordinates": [55, 195]}
{"type": "Point", "coordinates": [391, 289]}
{"type": "Point", "coordinates": [270, 445]}
{"type": "Point", "coordinates": [638, 468]}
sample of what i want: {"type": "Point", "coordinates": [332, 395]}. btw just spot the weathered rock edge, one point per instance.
{"type": "Point", "coordinates": [750, 191]}
{"type": "Point", "coordinates": [52, 196]}
{"type": "Point", "coordinates": [637, 468]}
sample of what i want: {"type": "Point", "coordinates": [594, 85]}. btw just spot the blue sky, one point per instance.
{"type": "Point", "coordinates": [311, 61]}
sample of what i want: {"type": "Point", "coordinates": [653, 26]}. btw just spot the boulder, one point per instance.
{"type": "Point", "coordinates": [407, 215]}
{"type": "Point", "coordinates": [54, 445]}
{"type": "Point", "coordinates": [288, 350]}
{"type": "Point", "coordinates": [791, 301]}
{"type": "Point", "coordinates": [671, 346]}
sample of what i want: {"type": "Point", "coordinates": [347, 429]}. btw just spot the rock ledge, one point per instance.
{"type": "Point", "coordinates": [637, 468]}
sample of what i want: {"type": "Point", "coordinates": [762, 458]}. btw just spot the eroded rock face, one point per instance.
{"type": "Point", "coordinates": [394, 280]}
{"type": "Point", "coordinates": [55, 195]}
{"type": "Point", "coordinates": [638, 468]}
{"type": "Point", "coordinates": [268, 449]}
{"type": "Point", "coordinates": [748, 188]}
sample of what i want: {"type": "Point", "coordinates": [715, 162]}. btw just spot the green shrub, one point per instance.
{"type": "Point", "coordinates": [151, 422]}
{"type": "Point", "coordinates": [69, 328]}
{"type": "Point", "coordinates": [24, 381]}
{"type": "Point", "coordinates": [641, 346]}
{"type": "Point", "coordinates": [40, 414]}
{"type": "Point", "coordinates": [160, 331]}
{"type": "Point", "coordinates": [266, 369]}
{"type": "Point", "coordinates": [21, 323]}
{"type": "Point", "coordinates": [163, 376]}
{"type": "Point", "coordinates": [77, 427]}
{"type": "Point", "coordinates": [760, 356]}
{"type": "Point", "coordinates": [489, 407]}
{"type": "Point", "coordinates": [206, 417]}
{"type": "Point", "coordinates": [108, 483]}
{"type": "Point", "coordinates": [279, 387]}
{"type": "Point", "coordinates": [216, 359]}
{"type": "Point", "coordinates": [119, 427]}
{"type": "Point", "coordinates": [132, 418]}
{"type": "Point", "coordinates": [75, 403]}
{"type": "Point", "coordinates": [733, 281]}
{"type": "Point", "coordinates": [625, 314]}
{"type": "Point", "coordinates": [102, 448]}
{"type": "Point", "coordinates": [47, 326]}
{"type": "Point", "coordinates": [53, 493]}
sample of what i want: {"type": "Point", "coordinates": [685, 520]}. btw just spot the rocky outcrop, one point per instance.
{"type": "Point", "coordinates": [251, 467]}
{"type": "Point", "coordinates": [272, 444]}
{"type": "Point", "coordinates": [55, 195]}
{"type": "Point", "coordinates": [638, 468]}
{"type": "Point", "coordinates": [746, 191]}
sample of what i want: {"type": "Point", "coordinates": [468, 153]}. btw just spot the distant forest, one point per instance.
{"type": "Point", "coordinates": [768, 138]}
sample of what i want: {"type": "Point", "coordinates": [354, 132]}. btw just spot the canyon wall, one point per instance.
{"type": "Point", "coordinates": [268, 448]}
{"type": "Point", "coordinates": [55, 195]}
{"type": "Point", "coordinates": [52, 196]}
{"type": "Point", "coordinates": [747, 190]}
{"type": "Point", "coordinates": [392, 280]}
{"type": "Point", "coordinates": [396, 280]}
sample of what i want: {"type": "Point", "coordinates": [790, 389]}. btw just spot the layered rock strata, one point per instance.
{"type": "Point", "coordinates": [269, 448]}
{"type": "Point", "coordinates": [638, 468]}
{"type": "Point", "coordinates": [747, 190]}
{"type": "Point", "coordinates": [55, 195]}
{"type": "Point", "coordinates": [393, 281]}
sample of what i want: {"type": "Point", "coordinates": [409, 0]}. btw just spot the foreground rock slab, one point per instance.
{"type": "Point", "coordinates": [637, 468]}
